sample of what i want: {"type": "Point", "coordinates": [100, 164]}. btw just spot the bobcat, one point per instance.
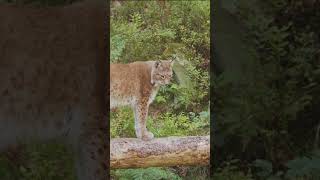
{"type": "Point", "coordinates": [52, 75]}
{"type": "Point", "coordinates": [136, 84]}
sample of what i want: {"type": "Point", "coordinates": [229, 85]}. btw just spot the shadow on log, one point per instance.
{"type": "Point", "coordinates": [167, 151]}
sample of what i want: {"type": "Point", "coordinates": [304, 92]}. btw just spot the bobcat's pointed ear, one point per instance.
{"type": "Point", "coordinates": [157, 63]}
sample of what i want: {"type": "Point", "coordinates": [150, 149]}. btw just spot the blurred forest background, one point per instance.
{"type": "Point", "coordinates": [155, 30]}
{"type": "Point", "coordinates": [266, 90]}
{"type": "Point", "coordinates": [46, 161]}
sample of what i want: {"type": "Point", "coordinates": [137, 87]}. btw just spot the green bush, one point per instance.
{"type": "Point", "coordinates": [262, 118]}
{"type": "Point", "coordinates": [39, 161]}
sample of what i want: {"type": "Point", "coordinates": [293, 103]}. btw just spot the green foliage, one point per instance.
{"type": "Point", "coordinates": [264, 166]}
{"type": "Point", "coordinates": [298, 168]}
{"type": "Point", "coordinates": [304, 167]}
{"type": "Point", "coordinates": [134, 41]}
{"type": "Point", "coordinates": [278, 60]}
{"type": "Point", "coordinates": [122, 123]}
{"type": "Point", "coordinates": [179, 125]}
{"type": "Point", "coordinates": [48, 161]}
{"type": "Point", "coordinates": [147, 173]}
{"type": "Point", "coordinates": [263, 116]}
{"type": "Point", "coordinates": [39, 161]}
{"type": "Point", "coordinates": [117, 46]}
{"type": "Point", "coordinates": [7, 170]}
{"type": "Point", "coordinates": [231, 171]}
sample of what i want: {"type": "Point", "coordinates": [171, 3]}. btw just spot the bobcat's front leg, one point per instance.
{"type": "Point", "coordinates": [140, 114]}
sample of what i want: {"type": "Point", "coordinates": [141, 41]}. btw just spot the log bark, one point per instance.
{"type": "Point", "coordinates": [168, 151]}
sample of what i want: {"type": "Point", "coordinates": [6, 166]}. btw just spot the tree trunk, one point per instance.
{"type": "Point", "coordinates": [168, 151]}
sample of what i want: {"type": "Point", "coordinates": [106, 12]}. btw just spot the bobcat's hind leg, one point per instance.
{"type": "Point", "coordinates": [140, 115]}
{"type": "Point", "coordinates": [92, 153]}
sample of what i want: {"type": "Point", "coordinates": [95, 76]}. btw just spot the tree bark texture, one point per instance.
{"type": "Point", "coordinates": [167, 151]}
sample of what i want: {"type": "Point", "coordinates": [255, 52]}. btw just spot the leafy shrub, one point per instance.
{"type": "Point", "coordinates": [304, 167]}
{"type": "Point", "coordinates": [39, 161]}
{"type": "Point", "coordinates": [179, 125]}
{"type": "Point", "coordinates": [231, 171]}
{"type": "Point", "coordinates": [122, 123]}
{"type": "Point", "coordinates": [262, 117]}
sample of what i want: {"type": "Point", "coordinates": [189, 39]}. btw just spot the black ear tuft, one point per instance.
{"type": "Point", "coordinates": [157, 64]}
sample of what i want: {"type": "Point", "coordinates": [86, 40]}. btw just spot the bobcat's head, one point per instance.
{"type": "Point", "coordinates": [161, 72]}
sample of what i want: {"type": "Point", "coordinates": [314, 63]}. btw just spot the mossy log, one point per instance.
{"type": "Point", "coordinates": [159, 152]}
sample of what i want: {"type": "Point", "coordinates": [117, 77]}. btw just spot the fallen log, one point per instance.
{"type": "Point", "coordinates": [168, 151]}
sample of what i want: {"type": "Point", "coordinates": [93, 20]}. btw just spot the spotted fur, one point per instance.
{"type": "Point", "coordinates": [136, 85]}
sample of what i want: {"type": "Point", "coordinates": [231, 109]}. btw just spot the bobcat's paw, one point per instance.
{"type": "Point", "coordinates": [147, 136]}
